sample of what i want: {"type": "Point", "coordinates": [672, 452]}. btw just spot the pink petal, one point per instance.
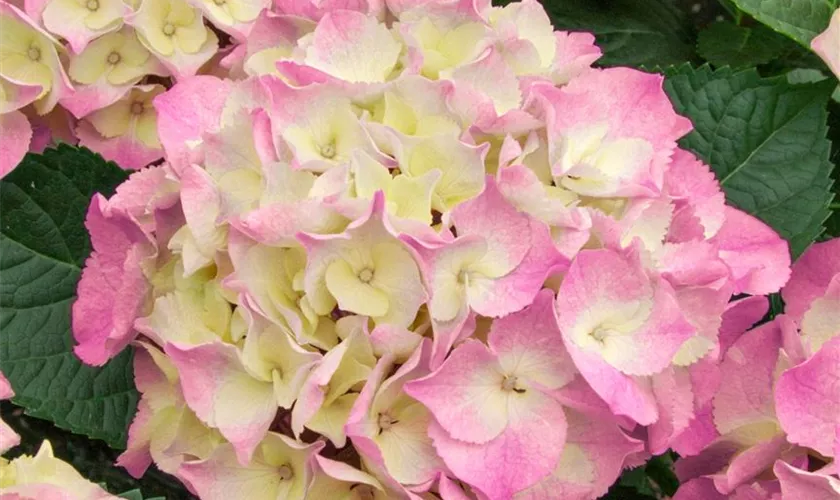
{"type": "Point", "coordinates": [187, 110]}
{"type": "Point", "coordinates": [523, 454]}
{"type": "Point", "coordinates": [465, 394]}
{"type": "Point", "coordinates": [601, 282]}
{"type": "Point", "coordinates": [125, 150]}
{"type": "Point", "coordinates": [810, 275]}
{"type": "Point", "coordinates": [85, 99]}
{"type": "Point", "coordinates": [113, 289]}
{"type": "Point", "coordinates": [492, 217]}
{"type": "Point", "coordinates": [137, 457]}
{"type": "Point", "coordinates": [626, 395]}
{"type": "Point", "coordinates": [224, 395]}
{"type": "Point", "coordinates": [750, 464]}
{"type": "Point", "coordinates": [701, 488]}
{"type": "Point", "coordinates": [739, 316]}
{"type": "Point", "coordinates": [17, 95]}
{"type": "Point", "coordinates": [748, 371]}
{"type": "Point", "coordinates": [8, 437]}
{"type": "Point", "coordinates": [826, 44]}
{"type": "Point", "coordinates": [222, 476]}
{"type": "Point", "coordinates": [528, 344]}
{"type": "Point", "coordinates": [17, 133]}
{"type": "Point", "coordinates": [699, 434]}
{"type": "Point", "coordinates": [808, 399]}
{"type": "Point", "coordinates": [675, 400]}
{"type": "Point", "coordinates": [696, 193]}
{"type": "Point", "coordinates": [575, 54]}
{"type": "Point", "coordinates": [592, 460]}
{"type": "Point", "coordinates": [797, 483]}
{"type": "Point", "coordinates": [517, 289]}
{"type": "Point", "coordinates": [758, 257]}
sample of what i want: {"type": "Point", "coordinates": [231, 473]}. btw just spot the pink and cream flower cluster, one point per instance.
{"type": "Point", "coordinates": [409, 248]}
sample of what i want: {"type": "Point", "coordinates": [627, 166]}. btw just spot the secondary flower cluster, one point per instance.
{"type": "Point", "coordinates": [419, 247]}
{"type": "Point", "coordinates": [42, 477]}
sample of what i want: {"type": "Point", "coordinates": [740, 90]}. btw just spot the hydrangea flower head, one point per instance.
{"type": "Point", "coordinates": [402, 249]}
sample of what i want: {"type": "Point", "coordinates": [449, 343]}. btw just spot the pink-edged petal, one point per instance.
{"type": "Point", "coordinates": [6, 391]}
{"type": "Point", "coordinates": [575, 54]}
{"type": "Point", "coordinates": [353, 47]}
{"type": "Point", "coordinates": [534, 438]}
{"type": "Point", "coordinates": [185, 112]}
{"type": "Point", "coordinates": [281, 469]}
{"type": "Point", "coordinates": [626, 395]}
{"type": "Point", "coordinates": [113, 289]}
{"type": "Point", "coordinates": [675, 401]}
{"type": "Point", "coordinates": [85, 99]}
{"type": "Point", "coordinates": [810, 276]}
{"type": "Point", "coordinates": [738, 317]}
{"type": "Point", "coordinates": [8, 437]}
{"type": "Point", "coordinates": [224, 395]}
{"type": "Point", "coordinates": [696, 194]}
{"type": "Point", "coordinates": [201, 202]}
{"type": "Point", "coordinates": [797, 483]}
{"type": "Point", "coordinates": [528, 344]}
{"type": "Point", "coordinates": [137, 457]}
{"type": "Point", "coordinates": [701, 488]}
{"type": "Point", "coordinates": [509, 293]}
{"type": "Point", "coordinates": [808, 399]}
{"type": "Point", "coordinates": [145, 192]}
{"type": "Point", "coordinates": [827, 44]}
{"type": "Point", "coordinates": [503, 227]}
{"type": "Point", "coordinates": [397, 341]}
{"type": "Point", "coordinates": [699, 433]}
{"type": "Point", "coordinates": [592, 460]}
{"type": "Point", "coordinates": [609, 307]}
{"type": "Point", "coordinates": [16, 94]}
{"type": "Point", "coordinates": [748, 369]}
{"type": "Point", "coordinates": [750, 464]}
{"type": "Point", "coordinates": [758, 257]}
{"type": "Point", "coordinates": [465, 395]}
{"type": "Point", "coordinates": [17, 133]}
{"type": "Point", "coordinates": [125, 150]}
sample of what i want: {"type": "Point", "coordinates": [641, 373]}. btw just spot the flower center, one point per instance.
{"type": "Point", "coordinates": [510, 384]}
{"type": "Point", "coordinates": [462, 276]}
{"type": "Point", "coordinates": [219, 2]}
{"type": "Point", "coordinates": [285, 472]}
{"type": "Point", "coordinates": [137, 108]}
{"type": "Point", "coordinates": [34, 53]}
{"type": "Point", "coordinates": [364, 492]}
{"type": "Point", "coordinates": [600, 334]}
{"type": "Point", "coordinates": [168, 29]}
{"type": "Point", "coordinates": [366, 275]}
{"type": "Point", "coordinates": [92, 5]}
{"type": "Point", "coordinates": [328, 151]}
{"type": "Point", "coordinates": [386, 421]}
{"type": "Point", "coordinates": [114, 58]}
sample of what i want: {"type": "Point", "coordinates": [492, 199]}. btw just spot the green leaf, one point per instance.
{"type": "Point", "coordinates": [801, 20]}
{"type": "Point", "coordinates": [630, 32]}
{"type": "Point", "coordinates": [766, 141]}
{"type": "Point", "coordinates": [725, 44]}
{"type": "Point", "coordinates": [137, 495]}
{"type": "Point", "coordinates": [43, 245]}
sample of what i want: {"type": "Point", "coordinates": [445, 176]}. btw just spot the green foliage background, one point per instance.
{"type": "Point", "coordinates": [764, 117]}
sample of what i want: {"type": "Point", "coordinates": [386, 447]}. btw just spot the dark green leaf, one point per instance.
{"type": "Point", "coordinates": [801, 20]}
{"type": "Point", "coordinates": [765, 140]}
{"type": "Point", "coordinates": [137, 495]}
{"type": "Point", "coordinates": [725, 44]}
{"type": "Point", "coordinates": [43, 245]}
{"type": "Point", "coordinates": [630, 32]}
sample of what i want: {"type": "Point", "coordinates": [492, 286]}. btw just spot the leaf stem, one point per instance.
{"type": "Point", "coordinates": [834, 206]}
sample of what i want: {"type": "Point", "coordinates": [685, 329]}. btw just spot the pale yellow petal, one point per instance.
{"type": "Point", "coordinates": [351, 293]}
